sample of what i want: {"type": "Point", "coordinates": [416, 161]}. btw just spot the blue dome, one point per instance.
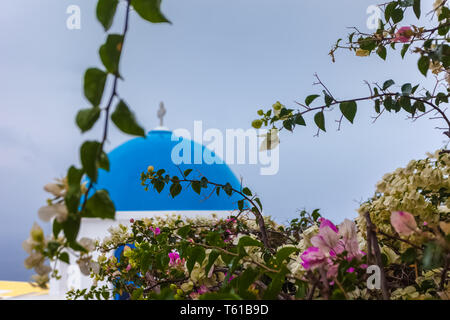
{"type": "Point", "coordinates": [129, 160]}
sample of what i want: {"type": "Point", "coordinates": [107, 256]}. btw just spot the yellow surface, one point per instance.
{"type": "Point", "coordinates": [11, 289]}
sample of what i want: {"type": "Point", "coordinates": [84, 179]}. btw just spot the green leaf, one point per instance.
{"type": "Point", "coordinates": [258, 201]}
{"type": "Point", "coordinates": [302, 289]}
{"type": "Point", "coordinates": [416, 8]}
{"type": "Point", "coordinates": [94, 85]}
{"type": "Point", "coordinates": [319, 119]}
{"type": "Point", "coordinates": [64, 257]}
{"type": "Point", "coordinates": [406, 89]}
{"type": "Point", "coordinates": [441, 97]}
{"type": "Point", "coordinates": [247, 241]}
{"type": "Point", "coordinates": [389, 9]}
{"type": "Point", "coordinates": [103, 162]}
{"type": "Point", "coordinates": [175, 189]}
{"type": "Point", "coordinates": [241, 205]}
{"type": "Point", "coordinates": [387, 84]}
{"type": "Point", "coordinates": [247, 192]}
{"type": "Point", "coordinates": [377, 106]}
{"type": "Point", "coordinates": [388, 103]}
{"type": "Point", "coordinates": [275, 286]}
{"type": "Point", "coordinates": [228, 189]}
{"type": "Point", "coordinates": [348, 109]}
{"type": "Point", "coordinates": [137, 294]}
{"type": "Point", "coordinates": [196, 186]}
{"type": "Point", "coordinates": [299, 120]}
{"type": "Point", "coordinates": [72, 197]}
{"type": "Point", "coordinates": [110, 53]}
{"type": "Point", "coordinates": [423, 64]}
{"type": "Point", "coordinates": [100, 205]}
{"type": "Point", "coordinates": [106, 9]}
{"type": "Point", "coordinates": [327, 98]}
{"type": "Point", "coordinates": [213, 255]}
{"type": "Point", "coordinates": [284, 253]}
{"type": "Point", "coordinates": [246, 279]}
{"type": "Point", "coordinates": [86, 118]}
{"type": "Point", "coordinates": [71, 227]}
{"type": "Point", "coordinates": [57, 228]}
{"type": "Point", "coordinates": [187, 172]}
{"type": "Point", "coordinates": [404, 49]}
{"type": "Point", "coordinates": [184, 231]}
{"type": "Point", "coordinates": [89, 152]}
{"type": "Point", "coordinates": [382, 52]}
{"type": "Point", "coordinates": [125, 120]}
{"type": "Point", "coordinates": [419, 105]}
{"type": "Point", "coordinates": [409, 256]}
{"type": "Point", "coordinates": [213, 238]}
{"type": "Point", "coordinates": [397, 15]}
{"type": "Point", "coordinates": [287, 124]}
{"type": "Point", "coordinates": [149, 10]}
{"type": "Point", "coordinates": [405, 103]}
{"type": "Point", "coordinates": [311, 98]}
{"type": "Point", "coordinates": [195, 254]}
{"type": "Point", "coordinates": [432, 256]}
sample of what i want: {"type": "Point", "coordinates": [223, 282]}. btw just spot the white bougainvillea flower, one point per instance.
{"type": "Point", "coordinates": [85, 265]}
{"type": "Point", "coordinates": [41, 280]}
{"type": "Point", "coordinates": [33, 260]}
{"type": "Point", "coordinates": [87, 243]}
{"type": "Point", "coordinates": [403, 222]}
{"type": "Point", "coordinates": [55, 188]}
{"type": "Point", "coordinates": [271, 140]}
{"type": "Point", "coordinates": [347, 229]}
{"type": "Point", "coordinates": [42, 269]}
{"type": "Point", "coordinates": [28, 245]}
{"type": "Point", "coordinates": [57, 211]}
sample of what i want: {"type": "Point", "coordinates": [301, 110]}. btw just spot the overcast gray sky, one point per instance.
{"type": "Point", "coordinates": [220, 61]}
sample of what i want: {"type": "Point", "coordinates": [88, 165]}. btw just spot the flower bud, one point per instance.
{"type": "Point", "coordinates": [257, 124]}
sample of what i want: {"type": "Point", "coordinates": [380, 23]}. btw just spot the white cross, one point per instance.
{"type": "Point", "coordinates": [161, 113]}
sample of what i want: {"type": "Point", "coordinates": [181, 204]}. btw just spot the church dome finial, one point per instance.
{"type": "Point", "coordinates": [161, 113]}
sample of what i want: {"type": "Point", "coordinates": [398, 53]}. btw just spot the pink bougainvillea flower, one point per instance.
{"type": "Point", "coordinates": [174, 258]}
{"type": "Point", "coordinates": [403, 222]}
{"type": "Point", "coordinates": [403, 34]}
{"type": "Point", "coordinates": [327, 223]}
{"type": "Point", "coordinates": [128, 267]}
{"type": "Point", "coordinates": [196, 293]}
{"type": "Point", "coordinates": [203, 289]}
{"type": "Point", "coordinates": [327, 239]}
{"type": "Point", "coordinates": [351, 270]}
{"type": "Point", "coordinates": [425, 223]}
{"type": "Point", "coordinates": [156, 231]}
{"type": "Point", "coordinates": [363, 266]}
{"type": "Point", "coordinates": [231, 220]}
{"type": "Point", "coordinates": [347, 229]}
{"type": "Point", "coordinates": [312, 258]}
{"type": "Point", "coordinates": [230, 278]}
{"type": "Point", "coordinates": [332, 271]}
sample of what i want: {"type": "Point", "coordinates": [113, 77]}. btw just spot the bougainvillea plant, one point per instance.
{"type": "Point", "coordinates": [401, 234]}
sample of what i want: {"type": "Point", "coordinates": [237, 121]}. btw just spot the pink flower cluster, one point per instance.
{"type": "Point", "coordinates": [156, 231]}
{"type": "Point", "coordinates": [174, 259]}
{"type": "Point", "coordinates": [196, 293]}
{"type": "Point", "coordinates": [329, 243]}
{"type": "Point", "coordinates": [403, 35]}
